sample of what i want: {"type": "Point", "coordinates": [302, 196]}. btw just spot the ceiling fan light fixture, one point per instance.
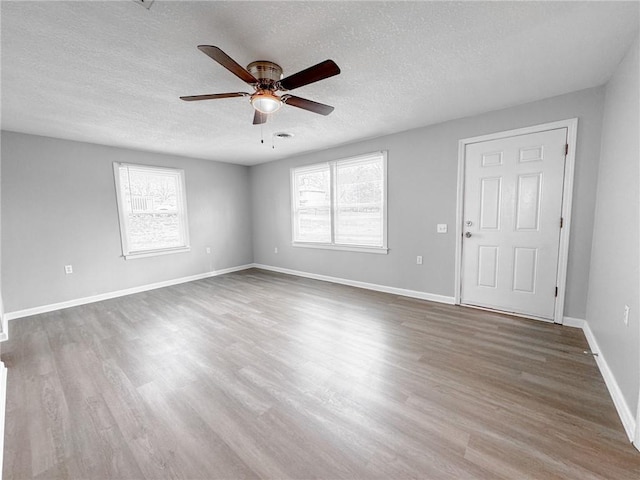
{"type": "Point", "coordinates": [265, 102]}
{"type": "Point", "coordinates": [266, 79]}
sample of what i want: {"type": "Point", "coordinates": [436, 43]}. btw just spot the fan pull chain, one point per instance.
{"type": "Point", "coordinates": [261, 134]}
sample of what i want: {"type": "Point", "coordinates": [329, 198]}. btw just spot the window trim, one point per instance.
{"type": "Point", "coordinates": [127, 253]}
{"type": "Point", "coordinates": [384, 249]}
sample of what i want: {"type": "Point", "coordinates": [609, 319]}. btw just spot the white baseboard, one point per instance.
{"type": "Point", "coordinates": [3, 405]}
{"type": "Point", "coordinates": [574, 322]}
{"type": "Point", "coordinates": [119, 293]}
{"type": "Point", "coordinates": [624, 412]}
{"type": "Point", "coordinates": [143, 288]}
{"type": "Point", "coordinates": [636, 440]}
{"type": "Point", "coordinates": [368, 286]}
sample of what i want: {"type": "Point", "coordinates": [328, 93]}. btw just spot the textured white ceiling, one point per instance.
{"type": "Point", "coordinates": [111, 72]}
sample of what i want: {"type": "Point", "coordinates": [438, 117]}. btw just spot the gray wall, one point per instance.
{"type": "Point", "coordinates": [615, 271]}
{"type": "Point", "coordinates": [422, 179]}
{"type": "Point", "coordinates": [59, 207]}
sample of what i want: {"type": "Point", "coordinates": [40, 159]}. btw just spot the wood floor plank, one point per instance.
{"type": "Point", "coordinates": [262, 375]}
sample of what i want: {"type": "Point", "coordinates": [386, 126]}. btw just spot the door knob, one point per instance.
{"type": "Point", "coordinates": [468, 234]}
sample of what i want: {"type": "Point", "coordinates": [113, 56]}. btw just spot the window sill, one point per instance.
{"type": "Point", "coordinates": [154, 253]}
{"type": "Point", "coordinates": [346, 248]}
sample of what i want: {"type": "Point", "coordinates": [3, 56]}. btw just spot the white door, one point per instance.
{"type": "Point", "coordinates": [512, 206]}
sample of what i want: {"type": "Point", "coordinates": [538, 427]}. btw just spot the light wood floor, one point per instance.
{"type": "Point", "coordinates": [261, 375]}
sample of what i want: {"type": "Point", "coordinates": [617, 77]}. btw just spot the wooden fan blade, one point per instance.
{"type": "Point", "coordinates": [214, 96]}
{"type": "Point", "coordinates": [323, 70]}
{"type": "Point", "coordinates": [305, 104]}
{"type": "Point", "coordinates": [259, 118]}
{"type": "Point", "coordinates": [229, 63]}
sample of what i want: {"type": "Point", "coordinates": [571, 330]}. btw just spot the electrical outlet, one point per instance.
{"type": "Point", "coordinates": [275, 250]}
{"type": "Point", "coordinates": [625, 318]}
{"type": "Point", "coordinates": [419, 260]}
{"type": "Point", "coordinates": [208, 250]}
{"type": "Point", "coordinates": [441, 228]}
{"type": "Point", "coordinates": [68, 269]}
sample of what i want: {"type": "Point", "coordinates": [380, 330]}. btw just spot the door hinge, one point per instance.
{"type": "Point", "coordinates": [566, 148]}
{"type": "Point", "coordinates": [561, 222]}
{"type": "Point", "coordinates": [556, 292]}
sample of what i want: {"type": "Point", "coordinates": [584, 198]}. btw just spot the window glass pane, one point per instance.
{"type": "Point", "coordinates": [359, 203]}
{"type": "Point", "coordinates": [312, 205]}
{"type": "Point", "coordinates": [341, 203]}
{"type": "Point", "coordinates": [153, 208]}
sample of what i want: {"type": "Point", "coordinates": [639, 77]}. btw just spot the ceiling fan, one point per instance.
{"type": "Point", "coordinates": [266, 79]}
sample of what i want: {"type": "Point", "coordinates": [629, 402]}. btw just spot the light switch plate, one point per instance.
{"type": "Point", "coordinates": [441, 228]}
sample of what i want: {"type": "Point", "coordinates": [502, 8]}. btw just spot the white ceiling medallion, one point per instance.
{"type": "Point", "coordinates": [145, 3]}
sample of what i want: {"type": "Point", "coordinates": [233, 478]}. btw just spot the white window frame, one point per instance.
{"type": "Point", "coordinates": [129, 254]}
{"type": "Point", "coordinates": [332, 180]}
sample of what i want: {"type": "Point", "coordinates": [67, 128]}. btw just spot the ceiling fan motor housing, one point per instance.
{"type": "Point", "coordinates": [268, 73]}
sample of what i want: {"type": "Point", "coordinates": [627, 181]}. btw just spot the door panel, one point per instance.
{"type": "Point", "coordinates": [532, 154]}
{"type": "Point", "coordinates": [512, 205]}
{"type": "Point", "coordinates": [487, 266]}
{"type": "Point", "coordinates": [524, 269]}
{"type": "Point", "coordinates": [490, 203]}
{"type": "Point", "coordinates": [528, 202]}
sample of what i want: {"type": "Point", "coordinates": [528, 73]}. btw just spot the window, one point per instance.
{"type": "Point", "coordinates": [341, 204]}
{"type": "Point", "coordinates": [153, 210]}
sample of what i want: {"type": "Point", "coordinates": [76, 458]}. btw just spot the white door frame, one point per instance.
{"type": "Point", "coordinates": [636, 437]}
{"type": "Point", "coordinates": [4, 326]}
{"type": "Point", "coordinates": [567, 196]}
